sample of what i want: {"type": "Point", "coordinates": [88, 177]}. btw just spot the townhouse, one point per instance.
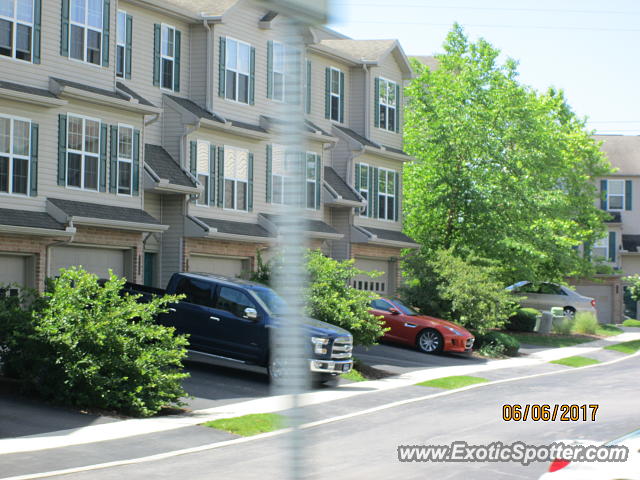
{"type": "Point", "coordinates": [138, 136]}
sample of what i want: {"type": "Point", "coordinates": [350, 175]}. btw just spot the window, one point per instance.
{"type": "Point", "coordinates": [125, 159]}
{"type": "Point", "coordinates": [83, 152]}
{"type": "Point", "coordinates": [85, 30]}
{"type": "Point", "coordinates": [380, 304]}
{"type": "Point", "coordinates": [121, 44]}
{"type": "Point", "coordinates": [311, 177]}
{"type": "Point", "coordinates": [615, 195]}
{"type": "Point", "coordinates": [196, 292]}
{"type": "Point", "coordinates": [335, 93]}
{"type": "Point", "coordinates": [278, 78]}
{"type": "Point", "coordinates": [167, 57]}
{"type": "Point", "coordinates": [388, 104]}
{"type": "Point", "coordinates": [16, 29]}
{"type": "Point", "coordinates": [284, 166]}
{"type": "Point", "coordinates": [386, 194]}
{"type": "Point", "coordinates": [234, 301]}
{"type": "Point", "coordinates": [236, 178]}
{"type": "Point", "coordinates": [237, 70]}
{"type": "Point", "coordinates": [362, 185]}
{"type": "Point", "coordinates": [15, 142]}
{"type": "Point", "coordinates": [203, 171]}
{"type": "Point", "coordinates": [283, 64]}
{"type": "Point", "coordinates": [600, 249]}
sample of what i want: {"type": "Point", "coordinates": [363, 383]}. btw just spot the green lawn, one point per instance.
{"type": "Point", "coordinates": [630, 322]}
{"type": "Point", "coordinates": [625, 347]}
{"type": "Point", "coordinates": [451, 383]}
{"type": "Point", "coordinates": [354, 375]}
{"type": "Point", "coordinates": [576, 361]}
{"type": "Point", "coordinates": [551, 340]}
{"type": "Point", "coordinates": [248, 425]}
{"type": "Point", "coordinates": [609, 330]}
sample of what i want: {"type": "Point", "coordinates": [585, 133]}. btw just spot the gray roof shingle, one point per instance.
{"type": "Point", "coordinates": [310, 224]}
{"type": "Point", "coordinates": [340, 186]}
{"type": "Point", "coordinates": [22, 218]}
{"type": "Point", "coordinates": [104, 212]}
{"type": "Point", "coordinates": [235, 228]}
{"type": "Point", "coordinates": [395, 150]}
{"type": "Point", "coordinates": [196, 109]}
{"type": "Point", "coordinates": [391, 235]}
{"type": "Point", "coordinates": [26, 89]}
{"type": "Point", "coordinates": [133, 94]}
{"type": "Point", "coordinates": [357, 137]}
{"type": "Point", "coordinates": [163, 165]}
{"type": "Point", "coordinates": [89, 88]}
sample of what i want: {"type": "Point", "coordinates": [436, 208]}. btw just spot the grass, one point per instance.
{"type": "Point", "coordinates": [576, 361]}
{"type": "Point", "coordinates": [608, 330]}
{"type": "Point", "coordinates": [625, 347]}
{"type": "Point", "coordinates": [354, 375]}
{"type": "Point", "coordinates": [551, 340]}
{"type": "Point", "coordinates": [630, 322]}
{"type": "Point", "coordinates": [249, 425]}
{"type": "Point", "coordinates": [451, 383]}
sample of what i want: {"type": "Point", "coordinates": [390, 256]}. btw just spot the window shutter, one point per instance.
{"type": "Point", "coordinates": [106, 26]}
{"type": "Point", "coordinates": [221, 67]}
{"type": "Point", "coordinates": [62, 149]}
{"type": "Point", "coordinates": [103, 157]}
{"type": "Point", "coordinates": [113, 160]}
{"type": "Point", "coordinates": [396, 203]}
{"type": "Point", "coordinates": [135, 181]}
{"type": "Point", "coordinates": [603, 194]}
{"type": "Point", "coordinates": [193, 160]}
{"type": "Point", "coordinates": [357, 178]}
{"type": "Point", "coordinates": [252, 76]}
{"type": "Point", "coordinates": [628, 195]}
{"type": "Point", "coordinates": [376, 175]}
{"type": "Point", "coordinates": [212, 175]}
{"type": "Point", "coordinates": [370, 195]}
{"type": "Point", "coordinates": [220, 176]}
{"type": "Point", "coordinates": [250, 184]}
{"type": "Point", "coordinates": [341, 97]}
{"type": "Point", "coordinates": [37, 27]}
{"type": "Point", "coordinates": [587, 250]}
{"type": "Point", "coordinates": [398, 106]}
{"type": "Point", "coordinates": [307, 103]}
{"type": "Point", "coordinates": [33, 162]}
{"type": "Point", "coordinates": [64, 29]}
{"type": "Point", "coordinates": [270, 69]}
{"type": "Point", "coordinates": [327, 92]}
{"type": "Point", "coordinates": [176, 64]}
{"type": "Point", "coordinates": [157, 34]}
{"type": "Point", "coordinates": [612, 246]}
{"type": "Point", "coordinates": [128, 47]}
{"type": "Point", "coordinates": [269, 172]}
{"type": "Point", "coordinates": [376, 107]}
{"type": "Point", "coordinates": [318, 180]}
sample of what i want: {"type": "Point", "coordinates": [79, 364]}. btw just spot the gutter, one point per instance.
{"type": "Point", "coordinates": [120, 224]}
{"type": "Point", "coordinates": [41, 232]}
{"type": "Point", "coordinates": [31, 98]}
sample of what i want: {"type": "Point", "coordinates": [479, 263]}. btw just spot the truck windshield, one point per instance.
{"type": "Point", "coordinates": [274, 302]}
{"type": "Point", "coordinates": [406, 310]}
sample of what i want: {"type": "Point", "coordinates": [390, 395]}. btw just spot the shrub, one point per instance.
{"type": "Point", "coordinates": [524, 320]}
{"type": "Point", "coordinates": [90, 346]}
{"type": "Point", "coordinates": [562, 325]}
{"type": "Point", "coordinates": [585, 323]}
{"type": "Point", "coordinates": [494, 344]}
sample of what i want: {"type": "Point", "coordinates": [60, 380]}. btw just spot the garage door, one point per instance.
{"type": "Point", "coordinates": [93, 260]}
{"type": "Point", "coordinates": [604, 300]}
{"type": "Point", "coordinates": [228, 267]}
{"type": "Point", "coordinates": [365, 282]}
{"type": "Point", "coordinates": [13, 269]}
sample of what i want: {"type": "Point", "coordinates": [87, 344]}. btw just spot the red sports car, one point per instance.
{"type": "Point", "coordinates": [428, 334]}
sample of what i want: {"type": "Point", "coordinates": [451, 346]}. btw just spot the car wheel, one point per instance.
{"type": "Point", "coordinates": [277, 369]}
{"type": "Point", "coordinates": [569, 312]}
{"type": "Point", "coordinates": [430, 341]}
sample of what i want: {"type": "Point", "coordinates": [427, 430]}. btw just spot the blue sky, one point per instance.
{"type": "Point", "coordinates": [591, 49]}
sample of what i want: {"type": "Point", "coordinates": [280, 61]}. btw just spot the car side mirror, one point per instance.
{"type": "Point", "coordinates": [250, 313]}
{"type": "Point", "coordinates": [394, 311]}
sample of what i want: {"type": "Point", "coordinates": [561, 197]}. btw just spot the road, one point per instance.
{"type": "Point", "coordinates": [365, 445]}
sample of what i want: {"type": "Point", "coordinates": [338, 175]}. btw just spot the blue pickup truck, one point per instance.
{"type": "Point", "coordinates": [233, 319]}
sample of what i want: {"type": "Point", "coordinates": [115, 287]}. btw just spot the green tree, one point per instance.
{"type": "Point", "coordinates": [502, 172]}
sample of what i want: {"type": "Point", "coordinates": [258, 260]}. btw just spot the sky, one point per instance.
{"type": "Point", "coordinates": [590, 49]}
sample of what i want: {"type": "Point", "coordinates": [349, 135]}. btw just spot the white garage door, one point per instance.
{"type": "Point", "coordinates": [93, 260]}
{"type": "Point", "coordinates": [13, 269]}
{"type": "Point", "coordinates": [228, 267]}
{"type": "Point", "coordinates": [604, 300]}
{"type": "Point", "coordinates": [378, 284]}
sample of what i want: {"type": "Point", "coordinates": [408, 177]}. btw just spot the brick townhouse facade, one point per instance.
{"type": "Point", "coordinates": [138, 136]}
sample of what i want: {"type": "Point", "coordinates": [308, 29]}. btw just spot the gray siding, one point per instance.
{"type": "Point", "coordinates": [173, 214]}
{"type": "Point", "coordinates": [356, 102]}
{"type": "Point", "coordinates": [341, 220]}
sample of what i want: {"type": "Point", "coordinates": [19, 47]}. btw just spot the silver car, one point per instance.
{"type": "Point", "coordinates": [544, 296]}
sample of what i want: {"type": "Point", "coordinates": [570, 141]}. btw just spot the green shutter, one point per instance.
{"type": "Point", "coordinates": [270, 69]}
{"type": "Point", "coordinates": [157, 37]}
{"type": "Point", "coordinates": [135, 187]}
{"type": "Point", "coordinates": [603, 194]}
{"type": "Point", "coordinates": [176, 63]}
{"type": "Point", "coordinates": [64, 29]}
{"type": "Point", "coordinates": [252, 76]}
{"type": "Point", "coordinates": [62, 149]}
{"type": "Point", "coordinates": [113, 160]}
{"type": "Point", "coordinates": [33, 161]}
{"type": "Point", "coordinates": [396, 203]}
{"type": "Point", "coordinates": [357, 178]}
{"type": "Point", "coordinates": [341, 97]}
{"type": "Point", "coordinates": [318, 180]}
{"type": "Point", "coordinates": [370, 192]}
{"type": "Point", "coordinates": [212, 174]}
{"type": "Point", "coordinates": [307, 103]}
{"type": "Point", "coordinates": [220, 176]}
{"type": "Point", "coordinates": [106, 27]}
{"type": "Point", "coordinates": [128, 47]}
{"type": "Point", "coordinates": [327, 92]}
{"type": "Point", "coordinates": [398, 106]}
{"type": "Point", "coordinates": [222, 55]}
{"type": "Point", "coordinates": [587, 250]}
{"type": "Point", "coordinates": [269, 172]}
{"type": "Point", "coordinates": [376, 103]}
{"type": "Point", "coordinates": [37, 27]}
{"type": "Point", "coordinates": [250, 184]}
{"type": "Point", "coordinates": [103, 157]}
{"type": "Point", "coordinates": [612, 246]}
{"type": "Point", "coordinates": [376, 174]}
{"type": "Point", "coordinates": [628, 195]}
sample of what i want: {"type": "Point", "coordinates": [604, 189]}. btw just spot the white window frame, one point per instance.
{"type": "Point", "coordinates": [83, 154]}
{"type": "Point", "coordinates": [603, 244]}
{"type": "Point", "coordinates": [236, 71]}
{"type": "Point", "coordinates": [13, 156]}
{"type": "Point", "coordinates": [120, 44]}
{"type": "Point", "coordinates": [163, 56]}
{"type": "Point", "coordinates": [334, 94]}
{"type": "Point", "coordinates": [86, 27]}
{"type": "Point", "coordinates": [122, 159]}
{"type": "Point", "coordinates": [14, 33]}
{"type": "Point", "coordinates": [384, 102]}
{"type": "Point", "coordinates": [278, 160]}
{"type": "Point", "coordinates": [310, 161]}
{"type": "Point", "coordinates": [620, 195]}
{"type": "Point", "coordinates": [204, 200]}
{"type": "Point", "coordinates": [235, 180]}
{"type": "Point", "coordinates": [389, 174]}
{"type": "Point", "coordinates": [283, 50]}
{"type": "Point", "coordinates": [364, 210]}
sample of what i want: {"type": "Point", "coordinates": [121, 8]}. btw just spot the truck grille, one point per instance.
{"type": "Point", "coordinates": [342, 348]}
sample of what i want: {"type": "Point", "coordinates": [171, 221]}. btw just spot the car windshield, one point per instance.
{"type": "Point", "coordinates": [271, 300]}
{"type": "Point", "coordinates": [403, 308]}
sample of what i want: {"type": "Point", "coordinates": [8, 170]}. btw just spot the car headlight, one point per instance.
{"type": "Point", "coordinates": [454, 331]}
{"type": "Point", "coordinates": [320, 345]}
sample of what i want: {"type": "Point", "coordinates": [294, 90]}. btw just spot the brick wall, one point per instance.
{"type": "Point", "coordinates": [205, 246]}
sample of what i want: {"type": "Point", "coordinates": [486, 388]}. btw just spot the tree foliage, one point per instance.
{"type": "Point", "coordinates": [502, 171]}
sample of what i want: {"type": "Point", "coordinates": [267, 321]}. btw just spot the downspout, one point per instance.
{"type": "Point", "coordinates": [367, 101]}
{"type": "Point", "coordinates": [208, 83]}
